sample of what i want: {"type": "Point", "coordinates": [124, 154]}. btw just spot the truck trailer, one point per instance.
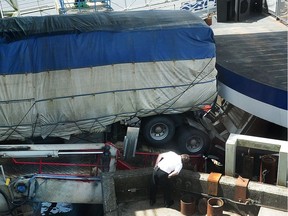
{"type": "Point", "coordinates": [83, 73]}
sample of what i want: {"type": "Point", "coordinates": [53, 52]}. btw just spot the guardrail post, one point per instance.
{"type": "Point", "coordinates": [230, 155]}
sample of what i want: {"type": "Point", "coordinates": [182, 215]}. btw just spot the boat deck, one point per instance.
{"type": "Point", "coordinates": [252, 65]}
{"type": "Point", "coordinates": [256, 49]}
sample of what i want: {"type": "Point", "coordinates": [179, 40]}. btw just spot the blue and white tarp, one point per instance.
{"type": "Point", "coordinates": [63, 75]}
{"type": "Point", "coordinates": [200, 7]}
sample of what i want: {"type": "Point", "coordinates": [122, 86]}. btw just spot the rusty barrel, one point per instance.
{"type": "Point", "coordinates": [215, 207]}
{"type": "Point", "coordinates": [202, 206]}
{"type": "Point", "coordinates": [269, 166]}
{"type": "Point", "coordinates": [248, 166]}
{"type": "Point", "coordinates": [187, 205]}
{"type": "Point", "coordinates": [208, 21]}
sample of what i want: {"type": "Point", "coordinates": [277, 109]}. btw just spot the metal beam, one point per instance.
{"type": "Point", "coordinates": [56, 147]}
{"type": "Point", "coordinates": [50, 150]}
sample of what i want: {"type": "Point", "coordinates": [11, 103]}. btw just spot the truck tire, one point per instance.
{"type": "Point", "coordinates": [192, 141]}
{"type": "Point", "coordinates": [158, 130]}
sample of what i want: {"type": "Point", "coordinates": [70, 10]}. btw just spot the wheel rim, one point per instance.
{"type": "Point", "coordinates": [194, 144]}
{"type": "Point", "coordinates": [159, 131]}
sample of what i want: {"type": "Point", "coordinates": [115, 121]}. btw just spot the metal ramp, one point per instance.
{"type": "Point", "coordinates": [227, 119]}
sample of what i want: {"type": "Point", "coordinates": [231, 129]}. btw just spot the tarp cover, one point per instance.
{"type": "Point", "coordinates": [63, 75]}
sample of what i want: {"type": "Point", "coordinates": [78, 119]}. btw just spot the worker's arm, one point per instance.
{"type": "Point", "coordinates": [159, 158]}
{"type": "Point", "coordinates": [174, 173]}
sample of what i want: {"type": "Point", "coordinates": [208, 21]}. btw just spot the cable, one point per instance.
{"type": "Point", "coordinates": [10, 209]}
{"type": "Point", "coordinates": [180, 94]}
{"type": "Point", "coordinates": [14, 129]}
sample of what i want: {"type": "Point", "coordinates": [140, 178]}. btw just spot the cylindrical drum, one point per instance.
{"type": "Point", "coordinates": [248, 166]}
{"type": "Point", "coordinates": [269, 169]}
{"type": "Point", "coordinates": [202, 206]}
{"type": "Point", "coordinates": [187, 205]}
{"type": "Point", "coordinates": [215, 207]}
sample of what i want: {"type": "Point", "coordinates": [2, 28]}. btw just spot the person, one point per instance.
{"type": "Point", "coordinates": [167, 165]}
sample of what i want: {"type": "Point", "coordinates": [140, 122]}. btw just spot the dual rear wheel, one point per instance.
{"type": "Point", "coordinates": [158, 131]}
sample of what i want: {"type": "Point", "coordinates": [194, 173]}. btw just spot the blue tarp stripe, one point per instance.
{"type": "Point", "coordinates": [258, 91]}
{"type": "Point", "coordinates": [91, 49]}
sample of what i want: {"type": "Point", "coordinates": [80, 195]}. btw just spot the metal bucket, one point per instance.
{"type": "Point", "coordinates": [215, 207]}
{"type": "Point", "coordinates": [187, 205]}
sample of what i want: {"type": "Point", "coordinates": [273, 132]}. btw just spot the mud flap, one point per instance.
{"type": "Point", "coordinates": [130, 142]}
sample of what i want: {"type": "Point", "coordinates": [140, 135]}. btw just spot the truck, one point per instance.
{"type": "Point", "coordinates": [87, 73]}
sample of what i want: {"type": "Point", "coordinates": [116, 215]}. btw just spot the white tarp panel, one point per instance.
{"type": "Point", "coordinates": [66, 102]}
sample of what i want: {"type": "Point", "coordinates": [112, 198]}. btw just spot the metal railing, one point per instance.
{"type": "Point", "coordinates": [82, 6]}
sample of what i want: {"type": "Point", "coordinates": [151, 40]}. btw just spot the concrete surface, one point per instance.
{"type": "Point", "coordinates": [131, 188]}
{"type": "Point", "coordinates": [142, 208]}
{"type": "Point", "coordinates": [270, 212]}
